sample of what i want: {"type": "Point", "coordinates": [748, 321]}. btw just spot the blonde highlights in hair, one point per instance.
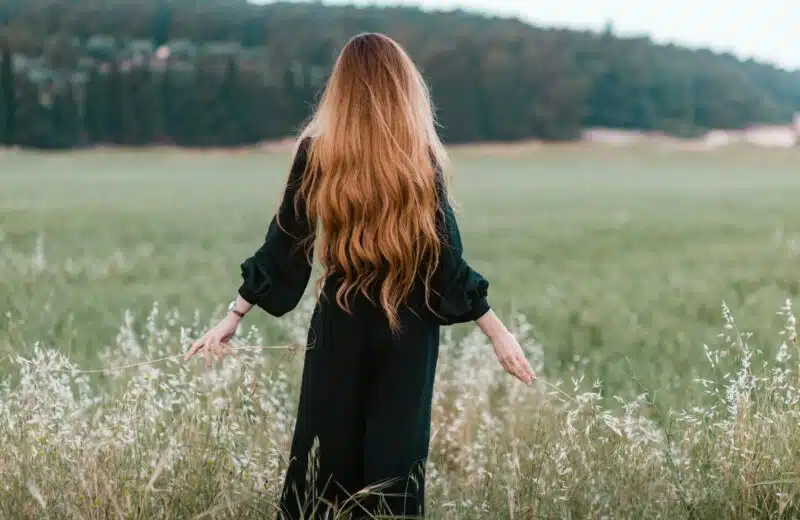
{"type": "Point", "coordinates": [370, 180]}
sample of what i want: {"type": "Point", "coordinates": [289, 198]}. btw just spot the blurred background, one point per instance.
{"type": "Point", "coordinates": [232, 72]}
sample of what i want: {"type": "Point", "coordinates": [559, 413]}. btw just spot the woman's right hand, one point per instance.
{"type": "Point", "coordinates": [214, 341]}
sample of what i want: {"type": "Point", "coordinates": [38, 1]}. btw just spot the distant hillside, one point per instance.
{"type": "Point", "coordinates": [229, 72]}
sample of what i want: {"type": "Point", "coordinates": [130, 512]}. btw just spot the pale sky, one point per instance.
{"type": "Point", "coordinates": [768, 30]}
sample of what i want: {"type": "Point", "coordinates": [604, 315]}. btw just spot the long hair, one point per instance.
{"type": "Point", "coordinates": [371, 176]}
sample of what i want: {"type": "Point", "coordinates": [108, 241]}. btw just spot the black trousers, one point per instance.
{"type": "Point", "coordinates": [363, 427]}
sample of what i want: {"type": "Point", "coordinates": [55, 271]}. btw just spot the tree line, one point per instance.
{"type": "Point", "coordinates": [227, 73]}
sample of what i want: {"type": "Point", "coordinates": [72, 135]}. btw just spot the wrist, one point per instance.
{"type": "Point", "coordinates": [498, 334]}
{"type": "Point", "coordinates": [494, 329]}
{"type": "Point", "coordinates": [235, 312]}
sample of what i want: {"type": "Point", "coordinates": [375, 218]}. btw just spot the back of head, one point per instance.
{"type": "Point", "coordinates": [370, 182]}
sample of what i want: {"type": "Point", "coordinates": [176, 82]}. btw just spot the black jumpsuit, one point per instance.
{"type": "Point", "coordinates": [365, 399]}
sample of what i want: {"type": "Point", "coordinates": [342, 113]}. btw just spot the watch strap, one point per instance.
{"type": "Point", "coordinates": [232, 308]}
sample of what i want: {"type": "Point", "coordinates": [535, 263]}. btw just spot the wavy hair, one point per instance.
{"type": "Point", "coordinates": [371, 176]}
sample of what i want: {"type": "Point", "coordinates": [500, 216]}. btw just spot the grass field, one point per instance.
{"type": "Point", "coordinates": [619, 258]}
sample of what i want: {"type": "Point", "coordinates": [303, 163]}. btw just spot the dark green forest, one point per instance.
{"type": "Point", "coordinates": [78, 73]}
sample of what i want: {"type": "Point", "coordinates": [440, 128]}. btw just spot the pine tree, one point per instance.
{"type": "Point", "coordinates": [230, 103]}
{"type": "Point", "coordinates": [114, 109]}
{"type": "Point", "coordinates": [8, 100]}
{"type": "Point", "coordinates": [66, 119]}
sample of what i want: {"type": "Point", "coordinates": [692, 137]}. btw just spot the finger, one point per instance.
{"type": "Point", "coordinates": [225, 348]}
{"type": "Point", "coordinates": [518, 373]}
{"type": "Point", "coordinates": [519, 370]}
{"type": "Point", "coordinates": [224, 351]}
{"type": "Point", "coordinates": [509, 366]}
{"type": "Point", "coordinates": [214, 347]}
{"type": "Point", "coordinates": [221, 350]}
{"type": "Point", "coordinates": [530, 372]}
{"type": "Point", "coordinates": [522, 369]}
{"type": "Point", "coordinates": [208, 351]}
{"type": "Point", "coordinates": [527, 371]}
{"type": "Point", "coordinates": [215, 352]}
{"type": "Point", "coordinates": [197, 345]}
{"type": "Point", "coordinates": [228, 350]}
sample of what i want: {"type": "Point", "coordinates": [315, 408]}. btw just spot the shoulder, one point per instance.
{"type": "Point", "coordinates": [300, 159]}
{"type": "Point", "coordinates": [303, 147]}
{"type": "Point", "coordinates": [299, 163]}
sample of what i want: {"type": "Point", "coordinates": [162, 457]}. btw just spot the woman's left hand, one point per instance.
{"type": "Point", "coordinates": [214, 341]}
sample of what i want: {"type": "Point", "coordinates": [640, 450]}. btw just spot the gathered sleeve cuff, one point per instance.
{"type": "Point", "coordinates": [255, 282]}
{"type": "Point", "coordinates": [465, 298]}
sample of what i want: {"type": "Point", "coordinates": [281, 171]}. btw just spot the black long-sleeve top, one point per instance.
{"type": "Point", "coordinates": [276, 276]}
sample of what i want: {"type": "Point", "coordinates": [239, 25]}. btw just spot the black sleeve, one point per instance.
{"type": "Point", "coordinates": [276, 276]}
{"type": "Point", "coordinates": [460, 292]}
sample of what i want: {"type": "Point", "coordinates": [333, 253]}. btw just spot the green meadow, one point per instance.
{"type": "Point", "coordinates": [614, 262]}
{"type": "Point", "coordinates": [620, 258]}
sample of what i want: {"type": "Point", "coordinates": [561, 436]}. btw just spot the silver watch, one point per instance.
{"type": "Point", "coordinates": [232, 308]}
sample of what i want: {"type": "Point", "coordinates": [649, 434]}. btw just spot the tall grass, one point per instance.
{"type": "Point", "coordinates": [177, 441]}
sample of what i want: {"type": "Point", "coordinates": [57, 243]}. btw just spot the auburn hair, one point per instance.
{"type": "Point", "coordinates": [370, 184]}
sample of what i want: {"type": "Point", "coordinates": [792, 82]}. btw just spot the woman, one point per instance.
{"type": "Point", "coordinates": [368, 187]}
